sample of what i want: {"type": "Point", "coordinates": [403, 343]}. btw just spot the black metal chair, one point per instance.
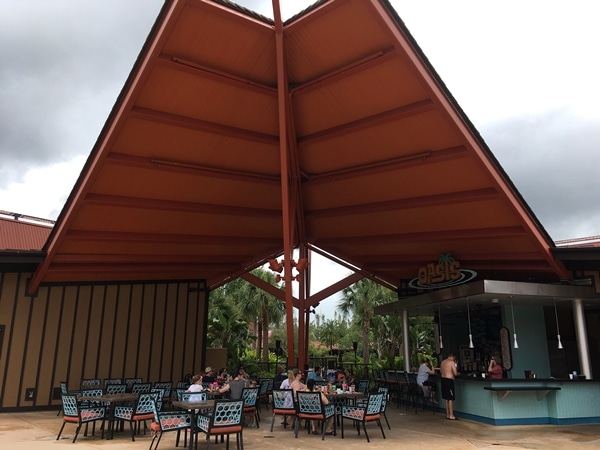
{"type": "Point", "coordinates": [226, 419]}
{"type": "Point", "coordinates": [283, 404]}
{"type": "Point", "coordinates": [310, 407]}
{"type": "Point", "coordinates": [165, 421]}
{"type": "Point", "coordinates": [78, 415]}
{"type": "Point", "coordinates": [371, 412]}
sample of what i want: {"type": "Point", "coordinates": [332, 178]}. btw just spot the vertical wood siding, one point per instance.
{"type": "Point", "coordinates": [70, 332]}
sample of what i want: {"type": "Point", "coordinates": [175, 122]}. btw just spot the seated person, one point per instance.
{"type": "Point", "coordinates": [235, 388]}
{"type": "Point", "coordinates": [209, 375]}
{"type": "Point", "coordinates": [426, 369]}
{"type": "Point", "coordinates": [196, 386]}
{"type": "Point", "coordinates": [315, 374]}
{"type": "Point", "coordinates": [310, 387]}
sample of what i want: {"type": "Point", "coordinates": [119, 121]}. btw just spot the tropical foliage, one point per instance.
{"type": "Point", "coordinates": [248, 321]}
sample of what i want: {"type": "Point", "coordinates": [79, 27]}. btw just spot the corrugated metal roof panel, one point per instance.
{"type": "Point", "coordinates": [20, 235]}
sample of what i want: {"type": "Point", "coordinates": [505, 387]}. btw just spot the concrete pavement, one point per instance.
{"type": "Point", "coordinates": [424, 430]}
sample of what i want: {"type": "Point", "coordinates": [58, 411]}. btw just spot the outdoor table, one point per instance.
{"type": "Point", "coordinates": [193, 406]}
{"type": "Point", "coordinates": [109, 401]}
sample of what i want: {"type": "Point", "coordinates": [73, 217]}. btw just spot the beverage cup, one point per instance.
{"type": "Point", "coordinates": [570, 376]}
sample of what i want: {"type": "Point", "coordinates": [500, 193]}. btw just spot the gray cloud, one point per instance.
{"type": "Point", "coordinates": [554, 160]}
{"type": "Point", "coordinates": [64, 63]}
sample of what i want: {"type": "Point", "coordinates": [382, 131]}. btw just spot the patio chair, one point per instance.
{"type": "Point", "coordinates": [371, 412]}
{"type": "Point", "coordinates": [141, 388]}
{"type": "Point", "coordinates": [76, 414]}
{"type": "Point", "coordinates": [115, 389]}
{"type": "Point", "coordinates": [265, 389]}
{"type": "Point", "coordinates": [63, 391]}
{"type": "Point", "coordinates": [384, 402]}
{"type": "Point", "coordinates": [363, 387]}
{"type": "Point", "coordinates": [108, 381]}
{"type": "Point", "coordinates": [87, 404]}
{"type": "Point", "coordinates": [250, 397]}
{"type": "Point", "coordinates": [311, 407]}
{"type": "Point", "coordinates": [226, 419]}
{"type": "Point", "coordinates": [90, 383]}
{"type": "Point", "coordinates": [131, 381]}
{"type": "Point", "coordinates": [166, 387]}
{"type": "Point", "coordinates": [136, 413]}
{"type": "Point", "coordinates": [283, 404]}
{"type": "Point", "coordinates": [165, 421]}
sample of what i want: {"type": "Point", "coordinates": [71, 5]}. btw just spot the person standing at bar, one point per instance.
{"type": "Point", "coordinates": [449, 372]}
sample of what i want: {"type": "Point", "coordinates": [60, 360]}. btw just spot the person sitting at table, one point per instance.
{"type": "Point", "coordinates": [242, 372]}
{"type": "Point", "coordinates": [235, 388]}
{"type": "Point", "coordinates": [428, 387]}
{"type": "Point", "coordinates": [315, 374]}
{"type": "Point", "coordinates": [196, 386]}
{"type": "Point", "coordinates": [350, 380]}
{"type": "Point", "coordinates": [209, 375]}
{"type": "Point", "coordinates": [280, 375]}
{"type": "Point", "coordinates": [223, 376]}
{"type": "Point", "coordinates": [297, 384]}
{"type": "Point", "coordinates": [289, 400]}
{"type": "Point", "coordinates": [310, 387]}
{"type": "Point", "coordinates": [495, 368]}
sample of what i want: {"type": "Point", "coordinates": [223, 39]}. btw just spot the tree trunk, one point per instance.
{"type": "Point", "coordinates": [265, 336]}
{"type": "Point", "coordinates": [366, 329]}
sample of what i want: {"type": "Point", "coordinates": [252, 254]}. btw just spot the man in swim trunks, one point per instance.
{"type": "Point", "coordinates": [448, 372]}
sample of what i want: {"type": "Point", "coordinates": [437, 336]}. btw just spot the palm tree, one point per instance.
{"type": "Point", "coordinates": [359, 301]}
{"type": "Point", "coordinates": [262, 309]}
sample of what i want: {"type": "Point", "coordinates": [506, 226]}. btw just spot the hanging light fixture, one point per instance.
{"type": "Point", "coordinates": [440, 325]}
{"type": "Point", "coordinates": [557, 329]}
{"type": "Point", "coordinates": [516, 345]}
{"type": "Point", "coordinates": [469, 318]}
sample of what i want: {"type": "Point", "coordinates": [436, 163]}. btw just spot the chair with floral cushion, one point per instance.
{"type": "Point", "coordinates": [310, 407]}
{"type": "Point", "coordinates": [226, 419]}
{"type": "Point", "coordinates": [371, 412]}
{"type": "Point", "coordinates": [137, 412]}
{"type": "Point", "coordinates": [164, 421]}
{"type": "Point", "coordinates": [76, 414]}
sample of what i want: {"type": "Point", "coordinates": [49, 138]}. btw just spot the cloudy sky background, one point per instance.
{"type": "Point", "coordinates": [525, 73]}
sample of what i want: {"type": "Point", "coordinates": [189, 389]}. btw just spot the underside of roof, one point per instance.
{"type": "Point", "coordinates": [229, 128]}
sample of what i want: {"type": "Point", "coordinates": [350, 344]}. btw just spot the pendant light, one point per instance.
{"type": "Point", "coordinates": [516, 345]}
{"type": "Point", "coordinates": [560, 346]}
{"type": "Point", "coordinates": [469, 318]}
{"type": "Point", "coordinates": [440, 325]}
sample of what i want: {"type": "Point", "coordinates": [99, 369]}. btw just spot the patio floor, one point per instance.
{"type": "Point", "coordinates": [409, 431]}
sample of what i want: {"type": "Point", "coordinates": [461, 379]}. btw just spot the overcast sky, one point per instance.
{"type": "Point", "coordinates": [525, 72]}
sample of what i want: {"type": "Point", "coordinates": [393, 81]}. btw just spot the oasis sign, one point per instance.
{"type": "Point", "coordinates": [445, 273]}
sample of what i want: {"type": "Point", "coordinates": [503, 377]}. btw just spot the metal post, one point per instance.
{"type": "Point", "coordinates": [582, 342]}
{"type": "Point", "coordinates": [405, 343]}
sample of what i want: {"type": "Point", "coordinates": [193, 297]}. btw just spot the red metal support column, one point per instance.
{"type": "Point", "coordinates": [283, 98]}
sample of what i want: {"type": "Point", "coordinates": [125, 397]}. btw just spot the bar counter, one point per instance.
{"type": "Point", "coordinates": [526, 401]}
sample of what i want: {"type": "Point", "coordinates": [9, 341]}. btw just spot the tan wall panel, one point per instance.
{"type": "Point", "coordinates": [138, 308]}
{"type": "Point", "coordinates": [33, 349]}
{"type": "Point", "coordinates": [102, 321]}
{"type": "Point", "coordinates": [120, 341]}
{"type": "Point", "coordinates": [71, 332]}
{"type": "Point", "coordinates": [15, 354]}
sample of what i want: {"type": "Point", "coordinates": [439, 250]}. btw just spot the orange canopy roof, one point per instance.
{"type": "Point", "coordinates": [235, 136]}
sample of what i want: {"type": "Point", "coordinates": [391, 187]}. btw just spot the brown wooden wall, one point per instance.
{"type": "Point", "coordinates": [69, 332]}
